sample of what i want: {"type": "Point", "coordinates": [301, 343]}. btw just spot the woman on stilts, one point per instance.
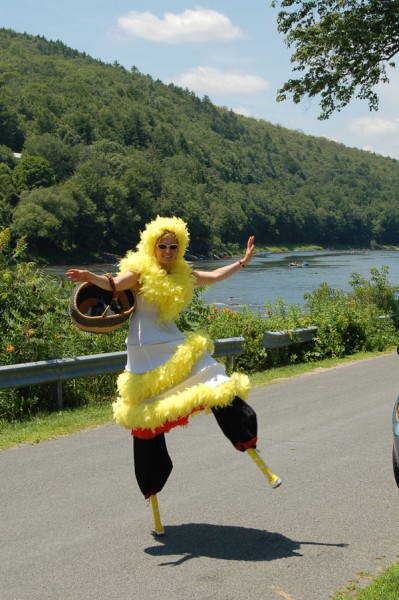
{"type": "Point", "coordinates": [170, 375]}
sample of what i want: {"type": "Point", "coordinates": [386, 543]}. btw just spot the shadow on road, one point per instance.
{"type": "Point", "coordinates": [192, 540]}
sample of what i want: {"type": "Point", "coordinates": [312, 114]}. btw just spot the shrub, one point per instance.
{"type": "Point", "coordinates": [225, 323]}
{"type": "Point", "coordinates": [347, 323]}
{"type": "Point", "coordinates": [377, 291]}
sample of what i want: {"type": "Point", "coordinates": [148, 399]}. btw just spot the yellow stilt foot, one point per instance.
{"type": "Point", "coordinates": [273, 479]}
{"type": "Point", "coordinates": [158, 527]}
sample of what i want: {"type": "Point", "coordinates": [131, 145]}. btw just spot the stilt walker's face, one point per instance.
{"type": "Point", "coordinates": [166, 251]}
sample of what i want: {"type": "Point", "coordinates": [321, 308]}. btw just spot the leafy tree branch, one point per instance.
{"type": "Point", "coordinates": [342, 47]}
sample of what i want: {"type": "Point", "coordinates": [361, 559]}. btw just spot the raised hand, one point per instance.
{"type": "Point", "coordinates": [250, 249]}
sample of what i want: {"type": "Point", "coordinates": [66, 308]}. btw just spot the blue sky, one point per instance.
{"type": "Point", "coordinates": [228, 50]}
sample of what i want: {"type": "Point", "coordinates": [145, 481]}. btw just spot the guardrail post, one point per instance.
{"type": "Point", "coordinates": [56, 393]}
{"type": "Point", "coordinates": [231, 348]}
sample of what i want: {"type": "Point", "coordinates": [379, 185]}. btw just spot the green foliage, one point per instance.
{"type": "Point", "coordinates": [342, 46]}
{"type": "Point", "coordinates": [57, 153]}
{"type": "Point", "coordinates": [35, 326]}
{"type": "Point", "coordinates": [46, 215]}
{"type": "Point", "coordinates": [33, 172]}
{"type": "Point", "coordinates": [10, 132]}
{"type": "Point", "coordinates": [226, 323]}
{"type": "Point", "coordinates": [377, 291]}
{"type": "Point", "coordinates": [127, 148]}
{"type": "Point", "coordinates": [195, 315]}
{"type": "Point", "coordinates": [10, 254]}
{"type": "Point", "coordinates": [345, 325]}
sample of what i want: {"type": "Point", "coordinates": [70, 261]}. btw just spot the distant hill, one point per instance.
{"type": "Point", "coordinates": [103, 150]}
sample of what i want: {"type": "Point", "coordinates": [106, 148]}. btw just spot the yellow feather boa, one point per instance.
{"type": "Point", "coordinates": [140, 386]}
{"type": "Point", "coordinates": [131, 410]}
{"type": "Point", "coordinates": [170, 292]}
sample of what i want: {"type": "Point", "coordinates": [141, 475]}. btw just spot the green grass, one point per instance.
{"type": "Point", "coordinates": [45, 426]}
{"type": "Point", "coordinates": [384, 586]}
{"type": "Point", "coordinates": [274, 375]}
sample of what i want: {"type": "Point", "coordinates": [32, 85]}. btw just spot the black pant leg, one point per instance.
{"type": "Point", "coordinates": [239, 424]}
{"type": "Point", "coordinates": [152, 464]}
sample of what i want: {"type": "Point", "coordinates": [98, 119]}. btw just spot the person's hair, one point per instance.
{"type": "Point", "coordinates": [166, 232]}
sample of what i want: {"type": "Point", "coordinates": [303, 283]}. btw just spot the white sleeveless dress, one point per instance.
{"type": "Point", "coordinates": [169, 375]}
{"type": "Point", "coordinates": [150, 343]}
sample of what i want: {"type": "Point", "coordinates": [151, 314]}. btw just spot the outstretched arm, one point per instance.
{"type": "Point", "coordinates": [209, 277]}
{"type": "Point", "coordinates": [122, 282]}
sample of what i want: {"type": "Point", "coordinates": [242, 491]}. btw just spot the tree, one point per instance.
{"type": "Point", "coordinates": [33, 172]}
{"type": "Point", "coordinates": [10, 131]}
{"type": "Point", "coordinates": [54, 150]}
{"type": "Point", "coordinates": [343, 47]}
{"type": "Point", "coordinates": [8, 195]}
{"type": "Point", "coordinates": [46, 215]}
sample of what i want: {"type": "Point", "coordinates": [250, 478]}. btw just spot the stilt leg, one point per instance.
{"type": "Point", "coordinates": [158, 527]}
{"type": "Point", "coordinates": [273, 479]}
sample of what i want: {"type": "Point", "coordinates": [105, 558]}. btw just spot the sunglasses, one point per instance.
{"type": "Point", "coordinates": [170, 246]}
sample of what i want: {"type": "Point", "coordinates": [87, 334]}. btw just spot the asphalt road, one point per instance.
{"type": "Point", "coordinates": [74, 525]}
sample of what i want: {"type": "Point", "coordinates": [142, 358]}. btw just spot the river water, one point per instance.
{"type": "Point", "coordinates": [268, 278]}
{"type": "Point", "coordinates": [272, 277]}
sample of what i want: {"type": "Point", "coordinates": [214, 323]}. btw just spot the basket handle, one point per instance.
{"type": "Point", "coordinates": [115, 294]}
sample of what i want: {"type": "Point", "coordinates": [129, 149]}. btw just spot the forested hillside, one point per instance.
{"type": "Point", "coordinates": [105, 149]}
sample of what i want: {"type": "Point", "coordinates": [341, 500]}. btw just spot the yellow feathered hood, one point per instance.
{"type": "Point", "coordinates": [156, 229]}
{"type": "Point", "coordinates": [171, 292]}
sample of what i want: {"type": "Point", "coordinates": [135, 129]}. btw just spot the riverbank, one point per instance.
{"type": "Point", "coordinates": [76, 256]}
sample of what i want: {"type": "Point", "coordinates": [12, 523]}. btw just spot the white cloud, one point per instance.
{"type": "Point", "coordinates": [192, 25]}
{"type": "Point", "coordinates": [369, 148]}
{"type": "Point", "coordinates": [241, 110]}
{"type": "Point", "coordinates": [210, 80]}
{"type": "Point", "coordinates": [375, 126]}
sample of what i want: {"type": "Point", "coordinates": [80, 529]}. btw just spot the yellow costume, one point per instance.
{"type": "Point", "coordinates": [168, 375]}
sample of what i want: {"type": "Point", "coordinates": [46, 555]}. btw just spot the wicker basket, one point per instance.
{"type": "Point", "coordinates": [100, 311]}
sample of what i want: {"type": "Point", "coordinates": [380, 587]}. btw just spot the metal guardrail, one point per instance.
{"type": "Point", "coordinates": [57, 370]}
{"type": "Point", "coordinates": [280, 339]}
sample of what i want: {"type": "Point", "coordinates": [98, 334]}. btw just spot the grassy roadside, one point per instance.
{"type": "Point", "coordinates": [384, 586]}
{"type": "Point", "coordinates": [45, 426]}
